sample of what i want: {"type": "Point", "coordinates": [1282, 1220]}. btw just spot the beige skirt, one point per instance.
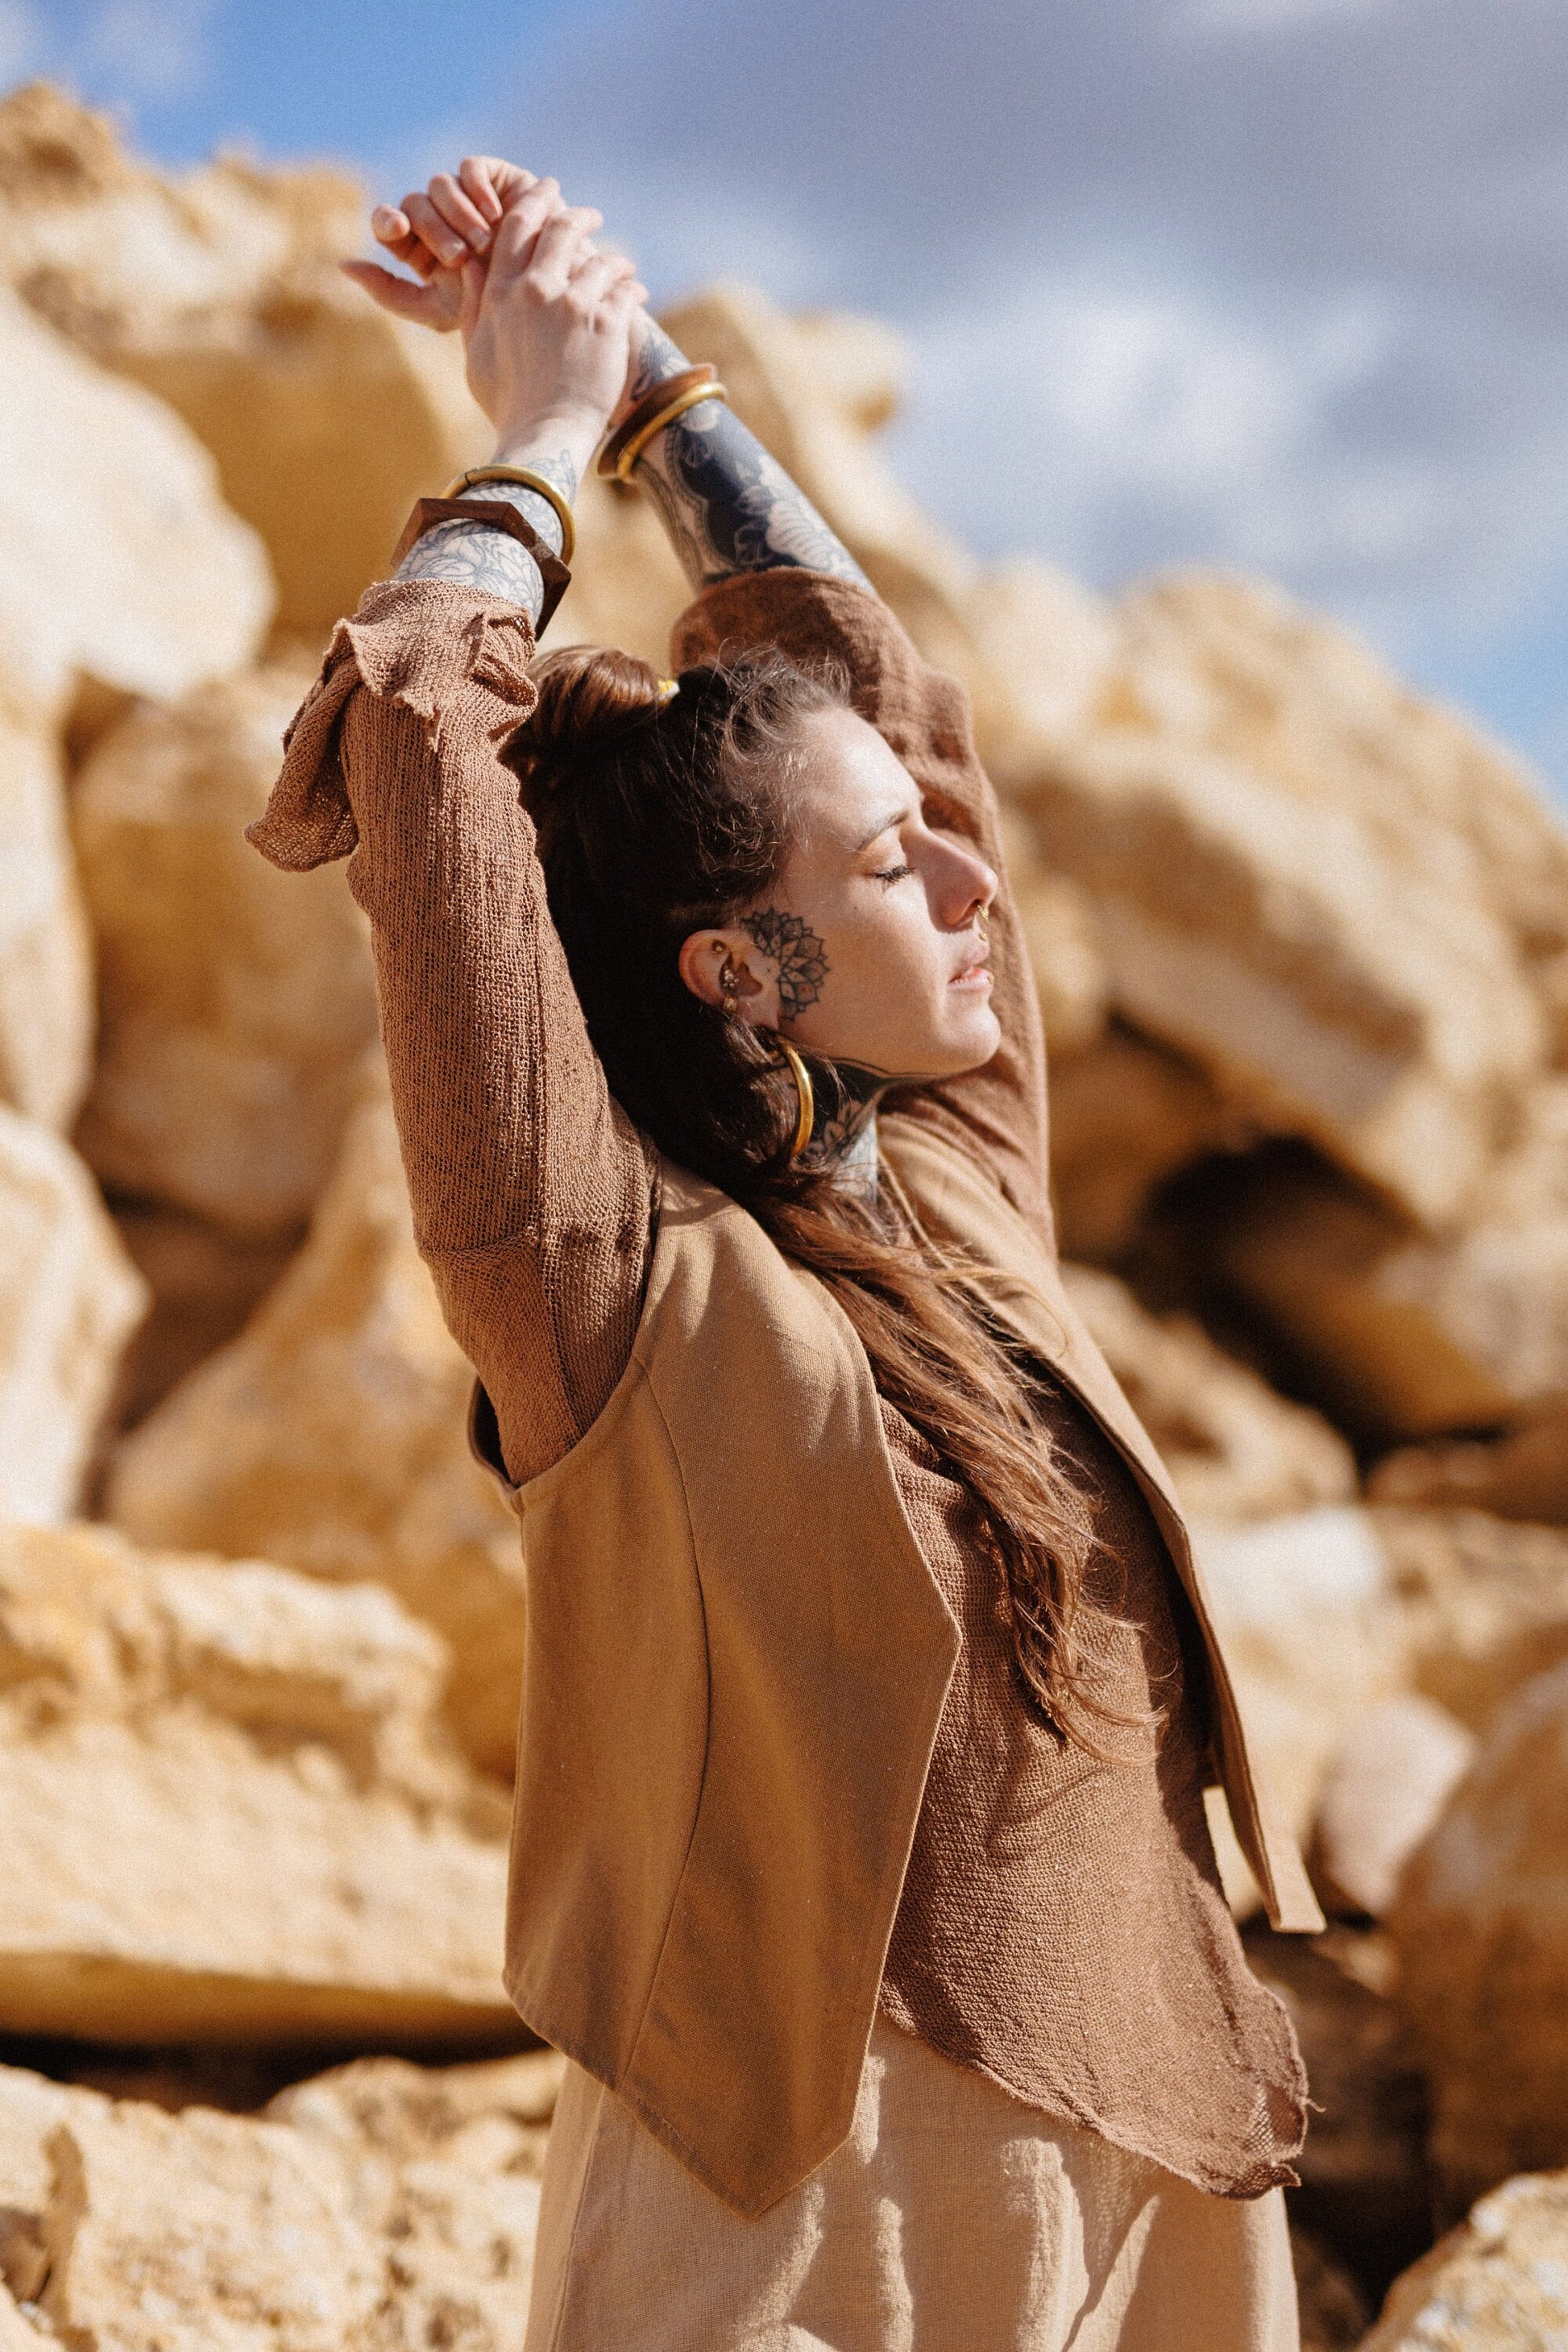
{"type": "Point", "coordinates": [954, 2218]}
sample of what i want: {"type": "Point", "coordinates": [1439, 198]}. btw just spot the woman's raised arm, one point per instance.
{"type": "Point", "coordinates": [728, 505]}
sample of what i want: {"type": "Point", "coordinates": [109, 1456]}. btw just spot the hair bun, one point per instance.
{"type": "Point", "coordinates": [588, 696]}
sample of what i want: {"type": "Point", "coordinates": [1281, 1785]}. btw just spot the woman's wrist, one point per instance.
{"type": "Point", "coordinates": [656, 357]}
{"type": "Point", "coordinates": [561, 447]}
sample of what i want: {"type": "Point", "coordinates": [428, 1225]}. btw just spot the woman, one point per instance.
{"type": "Point", "coordinates": [861, 1864]}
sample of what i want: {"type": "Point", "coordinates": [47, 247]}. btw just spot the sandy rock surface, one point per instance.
{"type": "Point", "coordinates": [121, 572]}
{"type": "Point", "coordinates": [1405, 1336]}
{"type": "Point", "coordinates": [1497, 2283]}
{"type": "Point", "coordinates": [1522, 1474]}
{"type": "Point", "coordinates": [1482, 1924]}
{"type": "Point", "coordinates": [70, 1299]}
{"type": "Point", "coordinates": [1484, 1605]}
{"type": "Point", "coordinates": [1390, 1777]}
{"type": "Point", "coordinates": [1313, 1631]}
{"type": "Point", "coordinates": [1126, 1115]}
{"type": "Point", "coordinates": [1365, 2190]}
{"type": "Point", "coordinates": [332, 1435]}
{"type": "Point", "coordinates": [230, 1813]}
{"type": "Point", "coordinates": [371, 2210]}
{"type": "Point", "coordinates": [236, 1001]}
{"type": "Point", "coordinates": [218, 290]}
{"type": "Point", "coordinates": [1260, 917]}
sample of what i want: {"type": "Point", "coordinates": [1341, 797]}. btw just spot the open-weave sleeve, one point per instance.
{"type": "Point", "coordinates": [1000, 1111]}
{"type": "Point", "coordinates": [532, 1194]}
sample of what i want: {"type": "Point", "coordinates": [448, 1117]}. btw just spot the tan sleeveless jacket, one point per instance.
{"type": "Point", "coordinates": [736, 1664]}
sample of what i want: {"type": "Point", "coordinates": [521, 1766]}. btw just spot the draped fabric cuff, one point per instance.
{"type": "Point", "coordinates": [425, 644]}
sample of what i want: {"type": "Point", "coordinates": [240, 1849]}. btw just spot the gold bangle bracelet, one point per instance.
{"type": "Point", "coordinates": [690, 398]}
{"type": "Point", "coordinates": [526, 479]}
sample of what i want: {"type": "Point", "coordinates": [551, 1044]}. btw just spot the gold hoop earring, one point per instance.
{"type": "Point", "coordinates": [803, 1087]}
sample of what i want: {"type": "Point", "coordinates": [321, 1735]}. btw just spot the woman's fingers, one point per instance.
{"type": "Point", "coordinates": [594, 276]}
{"type": "Point", "coordinates": [421, 303]}
{"type": "Point", "coordinates": [449, 247]}
{"type": "Point", "coordinates": [522, 223]}
{"type": "Point", "coordinates": [389, 223]}
{"type": "Point", "coordinates": [493, 182]}
{"type": "Point", "coordinates": [558, 251]}
{"type": "Point", "coordinates": [456, 208]}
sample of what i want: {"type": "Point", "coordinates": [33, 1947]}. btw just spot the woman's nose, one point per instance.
{"type": "Point", "coordinates": [975, 889]}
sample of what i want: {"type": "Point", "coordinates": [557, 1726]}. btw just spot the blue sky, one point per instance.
{"type": "Point", "coordinates": [1281, 283]}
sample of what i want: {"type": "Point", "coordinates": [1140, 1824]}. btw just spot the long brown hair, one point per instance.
{"type": "Point", "coordinates": [660, 814]}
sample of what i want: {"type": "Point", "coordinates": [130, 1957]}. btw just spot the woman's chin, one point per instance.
{"type": "Point", "coordinates": [968, 1042]}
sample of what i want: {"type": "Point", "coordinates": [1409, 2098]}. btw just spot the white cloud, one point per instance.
{"type": "Point", "coordinates": [153, 48]}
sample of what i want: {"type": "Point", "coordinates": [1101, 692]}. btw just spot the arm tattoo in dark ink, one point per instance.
{"type": "Point", "coordinates": [726, 504]}
{"type": "Point", "coordinates": [800, 955]}
{"type": "Point", "coordinates": [492, 561]}
{"type": "Point", "coordinates": [658, 358]}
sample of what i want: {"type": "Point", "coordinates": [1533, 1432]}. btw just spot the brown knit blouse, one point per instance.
{"type": "Point", "coordinates": [1062, 1926]}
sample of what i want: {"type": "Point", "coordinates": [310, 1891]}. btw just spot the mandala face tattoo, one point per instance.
{"type": "Point", "coordinates": [800, 955]}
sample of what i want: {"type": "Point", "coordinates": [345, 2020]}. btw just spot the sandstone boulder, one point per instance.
{"type": "Point", "coordinates": [236, 1002]}
{"type": "Point", "coordinates": [1234, 1450]}
{"type": "Point", "coordinates": [1236, 667]}
{"type": "Point", "coordinates": [1483, 1603]}
{"type": "Point", "coordinates": [1274, 945]}
{"type": "Point", "coordinates": [1304, 1251]}
{"type": "Point", "coordinates": [120, 573]}
{"type": "Point", "coordinates": [1125, 1115]}
{"type": "Point", "coordinates": [1259, 919]}
{"type": "Point", "coordinates": [1497, 2283]}
{"type": "Point", "coordinates": [1312, 1627]}
{"type": "Point", "coordinates": [205, 1281]}
{"type": "Point", "coordinates": [1409, 1336]}
{"type": "Point", "coordinates": [70, 1298]}
{"type": "Point", "coordinates": [1522, 1474]}
{"type": "Point", "coordinates": [1481, 1923]}
{"type": "Point", "coordinates": [444, 2169]}
{"type": "Point", "coordinates": [231, 1815]}
{"type": "Point", "coordinates": [369, 2210]}
{"type": "Point", "coordinates": [46, 954]}
{"type": "Point", "coordinates": [1389, 1779]}
{"type": "Point", "coordinates": [1366, 2190]}
{"type": "Point", "coordinates": [332, 1435]}
{"type": "Point", "coordinates": [218, 290]}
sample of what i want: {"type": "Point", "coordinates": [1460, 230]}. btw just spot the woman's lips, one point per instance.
{"type": "Point", "coordinates": [973, 974]}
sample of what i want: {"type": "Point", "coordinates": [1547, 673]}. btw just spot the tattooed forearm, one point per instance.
{"type": "Point", "coordinates": [726, 504]}
{"type": "Point", "coordinates": [659, 356]}
{"type": "Point", "coordinates": [788, 942]}
{"type": "Point", "coordinates": [471, 556]}
{"type": "Point", "coordinates": [728, 507]}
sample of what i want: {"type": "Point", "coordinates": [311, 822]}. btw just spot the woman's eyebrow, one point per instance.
{"type": "Point", "coordinates": [885, 824]}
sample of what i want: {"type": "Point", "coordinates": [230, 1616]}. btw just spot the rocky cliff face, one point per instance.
{"type": "Point", "coordinates": [1301, 942]}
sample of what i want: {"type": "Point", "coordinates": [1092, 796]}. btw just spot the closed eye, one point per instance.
{"type": "Point", "coordinates": [893, 873]}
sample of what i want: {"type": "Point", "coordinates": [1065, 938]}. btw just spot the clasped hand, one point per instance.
{"type": "Point", "coordinates": [546, 319]}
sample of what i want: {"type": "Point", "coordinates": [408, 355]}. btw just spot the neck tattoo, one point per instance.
{"type": "Point", "coordinates": [843, 1139]}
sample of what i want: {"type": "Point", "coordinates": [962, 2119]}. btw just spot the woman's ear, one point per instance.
{"type": "Point", "coordinates": [714, 966]}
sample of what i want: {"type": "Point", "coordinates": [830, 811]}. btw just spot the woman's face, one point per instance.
{"type": "Point", "coordinates": [870, 949]}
